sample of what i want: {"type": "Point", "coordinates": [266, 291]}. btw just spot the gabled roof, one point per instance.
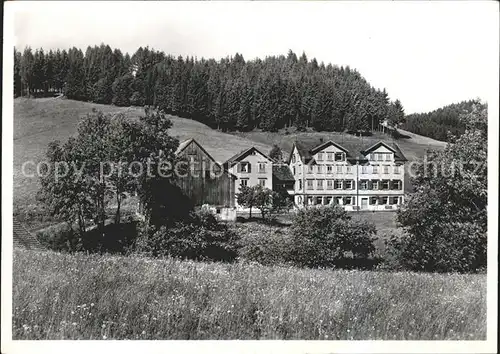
{"type": "Point", "coordinates": [186, 143]}
{"type": "Point", "coordinates": [282, 173]}
{"type": "Point", "coordinates": [398, 154]}
{"type": "Point", "coordinates": [354, 150]}
{"type": "Point", "coordinates": [307, 149]}
{"type": "Point", "coordinates": [242, 154]}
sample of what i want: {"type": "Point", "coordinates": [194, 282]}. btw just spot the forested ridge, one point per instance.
{"type": "Point", "coordinates": [441, 122]}
{"type": "Point", "coordinates": [229, 94]}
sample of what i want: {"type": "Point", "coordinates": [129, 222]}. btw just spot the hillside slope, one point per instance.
{"type": "Point", "coordinates": [37, 122]}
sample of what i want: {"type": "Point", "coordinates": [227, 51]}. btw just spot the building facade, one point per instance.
{"type": "Point", "coordinates": [251, 167]}
{"type": "Point", "coordinates": [328, 173]}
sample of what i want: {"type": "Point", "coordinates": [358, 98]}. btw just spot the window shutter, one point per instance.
{"type": "Point", "coordinates": [249, 167]}
{"type": "Point", "coordinates": [370, 185]}
{"type": "Point", "coordinates": [239, 167]}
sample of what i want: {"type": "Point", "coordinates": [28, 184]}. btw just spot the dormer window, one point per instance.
{"type": "Point", "coordinates": [339, 156]}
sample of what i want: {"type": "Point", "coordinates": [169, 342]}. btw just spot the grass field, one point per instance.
{"type": "Point", "coordinates": [138, 298]}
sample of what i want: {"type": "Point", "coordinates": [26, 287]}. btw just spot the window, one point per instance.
{"type": "Point", "coordinates": [394, 200]}
{"type": "Point", "coordinates": [337, 200]}
{"type": "Point", "coordinates": [373, 200]}
{"type": "Point", "coordinates": [320, 184]}
{"type": "Point", "coordinates": [339, 156]}
{"type": "Point", "coordinates": [328, 200]}
{"type": "Point", "coordinates": [329, 169]}
{"type": "Point", "coordinates": [245, 167]}
{"type": "Point", "coordinates": [375, 169]}
{"type": "Point", "coordinates": [310, 169]}
{"type": "Point", "coordinates": [293, 169]}
{"type": "Point", "coordinates": [329, 156]}
{"type": "Point", "coordinates": [385, 185]}
{"type": "Point", "coordinates": [348, 169]}
{"type": "Point", "coordinates": [384, 200]}
{"type": "Point", "coordinates": [372, 157]}
{"type": "Point", "coordinates": [262, 167]}
{"type": "Point", "coordinates": [363, 185]}
{"type": "Point", "coordinates": [379, 156]}
{"type": "Point", "coordinates": [348, 184]}
{"type": "Point", "coordinates": [244, 182]}
{"type": "Point", "coordinates": [397, 169]}
{"type": "Point", "coordinates": [396, 185]}
{"type": "Point", "coordinates": [319, 200]}
{"type": "Point", "coordinates": [320, 156]}
{"type": "Point", "coordinates": [293, 158]}
{"type": "Point", "coordinates": [320, 169]}
{"type": "Point", "coordinates": [386, 169]}
{"type": "Point", "coordinates": [375, 185]}
{"type": "Point", "coordinates": [387, 157]}
{"type": "Point", "coordinates": [310, 184]}
{"type": "Point", "coordinates": [262, 182]}
{"type": "Point", "coordinates": [364, 169]}
{"type": "Point", "coordinates": [300, 184]}
{"type": "Point", "coordinates": [347, 200]}
{"type": "Point", "coordinates": [339, 168]}
{"type": "Point", "coordinates": [329, 184]}
{"type": "Point", "coordinates": [309, 200]}
{"type": "Point", "coordinates": [337, 184]}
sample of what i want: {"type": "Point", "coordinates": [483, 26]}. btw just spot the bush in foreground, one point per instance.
{"type": "Point", "coordinates": [201, 238]}
{"type": "Point", "coordinates": [327, 236]}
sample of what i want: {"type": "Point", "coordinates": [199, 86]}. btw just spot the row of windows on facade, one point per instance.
{"type": "Point", "coordinates": [340, 156]}
{"type": "Point", "coordinates": [349, 184]}
{"type": "Point", "coordinates": [244, 182]}
{"type": "Point", "coordinates": [348, 200]}
{"type": "Point", "coordinates": [348, 169]}
{"type": "Point", "coordinates": [246, 167]}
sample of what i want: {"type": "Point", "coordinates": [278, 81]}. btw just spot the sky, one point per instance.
{"type": "Point", "coordinates": [426, 54]}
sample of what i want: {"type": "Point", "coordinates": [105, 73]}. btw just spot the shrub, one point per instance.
{"type": "Point", "coordinates": [60, 237]}
{"type": "Point", "coordinates": [449, 247]}
{"type": "Point", "coordinates": [137, 99]}
{"type": "Point", "coordinates": [201, 238]}
{"type": "Point", "coordinates": [117, 238]}
{"type": "Point", "coordinates": [327, 236]}
{"type": "Point", "coordinates": [263, 244]}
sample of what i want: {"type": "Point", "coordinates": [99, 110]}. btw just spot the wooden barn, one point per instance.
{"type": "Point", "coordinates": [206, 182]}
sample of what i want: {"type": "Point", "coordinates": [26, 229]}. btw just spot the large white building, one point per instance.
{"type": "Point", "coordinates": [358, 179]}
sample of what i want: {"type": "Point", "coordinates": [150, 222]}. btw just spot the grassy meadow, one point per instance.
{"type": "Point", "coordinates": [139, 298]}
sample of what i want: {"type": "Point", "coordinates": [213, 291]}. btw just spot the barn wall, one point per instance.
{"type": "Point", "coordinates": [202, 186]}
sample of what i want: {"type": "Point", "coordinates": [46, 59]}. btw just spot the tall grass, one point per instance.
{"type": "Point", "coordinates": [64, 296]}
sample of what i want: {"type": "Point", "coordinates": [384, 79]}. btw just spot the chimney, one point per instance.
{"type": "Point", "coordinates": [321, 140]}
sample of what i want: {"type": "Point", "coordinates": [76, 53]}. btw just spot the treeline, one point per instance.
{"type": "Point", "coordinates": [229, 94]}
{"type": "Point", "coordinates": [439, 123]}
